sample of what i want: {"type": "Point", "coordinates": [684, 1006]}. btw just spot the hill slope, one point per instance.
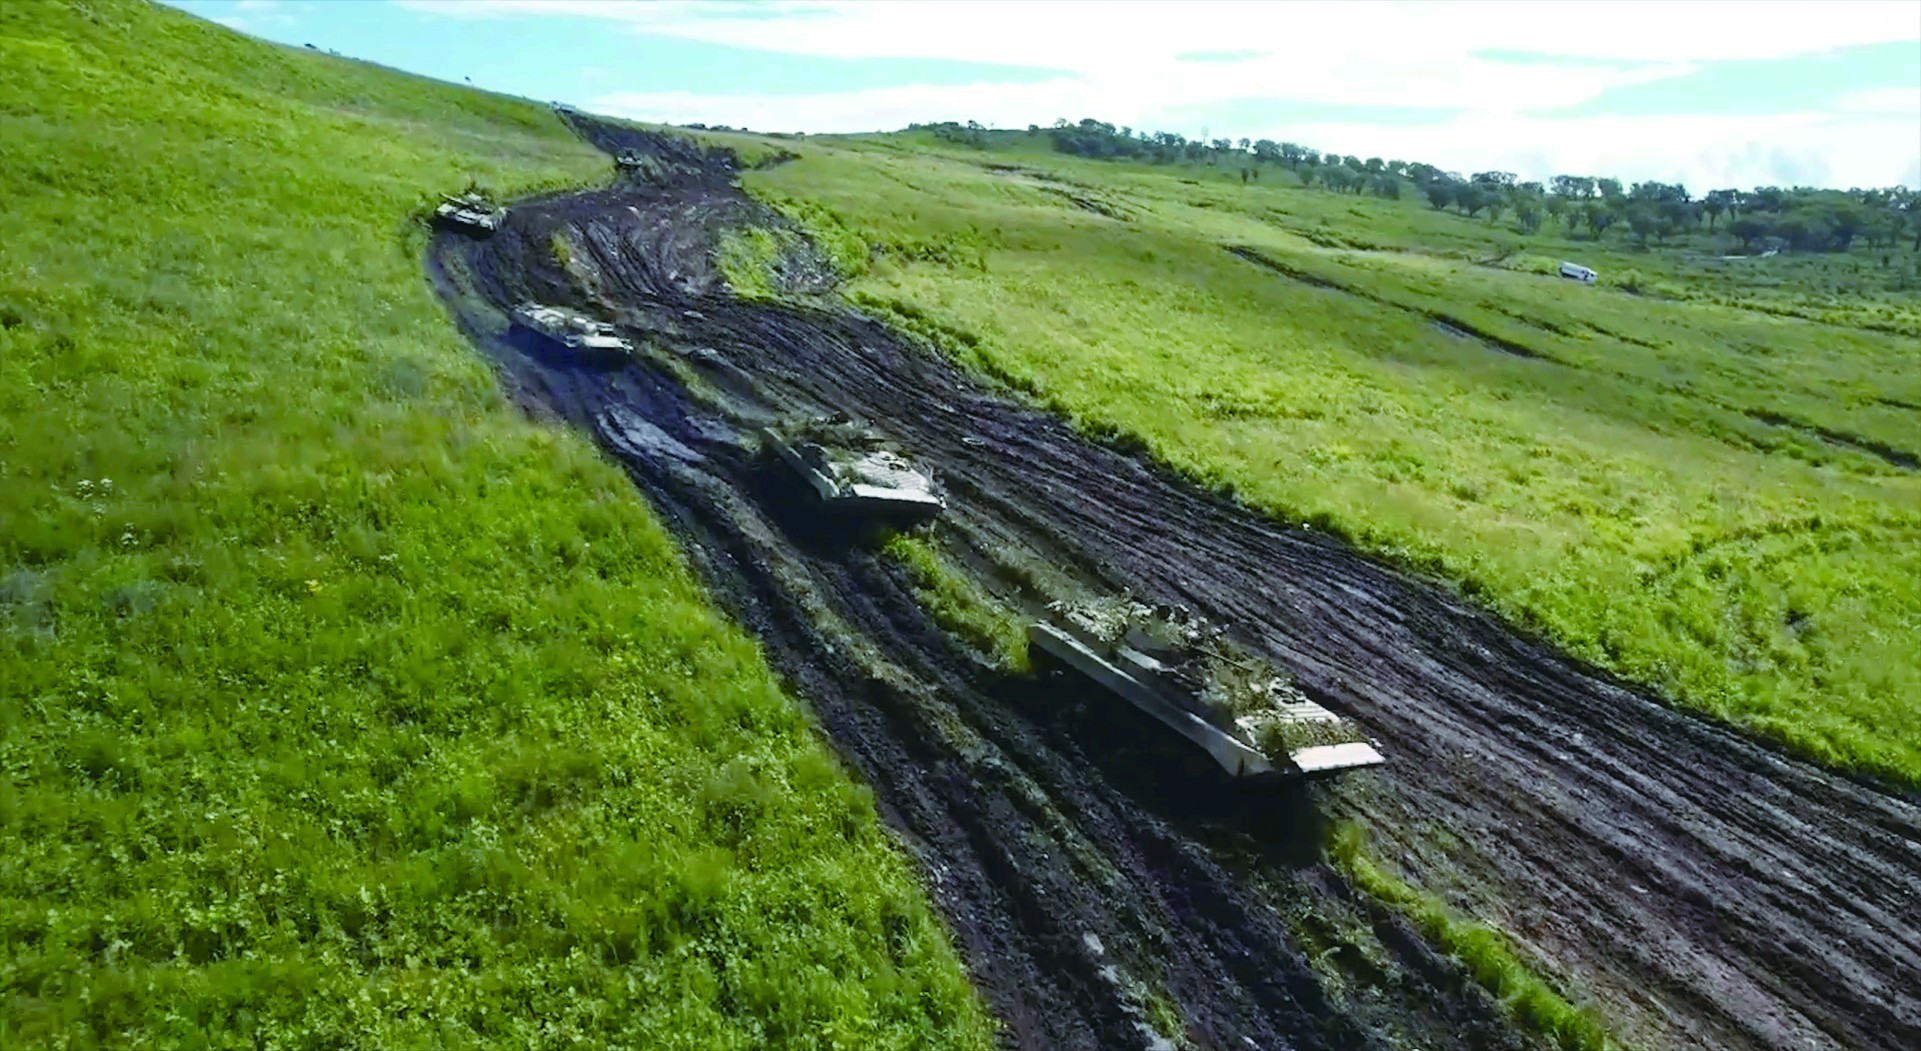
{"type": "Point", "coordinates": [1697, 889]}
{"type": "Point", "coordinates": [342, 705]}
{"type": "Point", "coordinates": [1699, 476]}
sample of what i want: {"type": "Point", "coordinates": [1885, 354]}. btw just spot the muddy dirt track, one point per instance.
{"type": "Point", "coordinates": [1703, 891]}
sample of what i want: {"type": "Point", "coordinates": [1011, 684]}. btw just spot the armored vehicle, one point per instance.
{"type": "Point", "coordinates": [556, 328]}
{"type": "Point", "coordinates": [1187, 674]}
{"type": "Point", "coordinates": [849, 469]}
{"type": "Point", "coordinates": [630, 160]}
{"type": "Point", "coordinates": [469, 212]}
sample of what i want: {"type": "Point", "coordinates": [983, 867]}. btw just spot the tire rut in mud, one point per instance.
{"type": "Point", "coordinates": [1702, 890]}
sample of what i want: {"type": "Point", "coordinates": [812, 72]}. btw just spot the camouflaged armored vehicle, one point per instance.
{"type": "Point", "coordinates": [569, 332]}
{"type": "Point", "coordinates": [469, 212]}
{"type": "Point", "coordinates": [1185, 673]}
{"type": "Point", "coordinates": [849, 469]}
{"type": "Point", "coordinates": [630, 160]}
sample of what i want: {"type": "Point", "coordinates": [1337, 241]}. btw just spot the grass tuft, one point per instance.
{"type": "Point", "coordinates": [747, 258]}
{"type": "Point", "coordinates": [1485, 952]}
{"type": "Point", "coordinates": [959, 604]}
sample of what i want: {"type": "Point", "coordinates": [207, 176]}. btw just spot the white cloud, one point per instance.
{"type": "Point", "coordinates": [1070, 34]}
{"type": "Point", "coordinates": [882, 109]}
{"type": "Point", "coordinates": [1121, 64]}
{"type": "Point", "coordinates": [255, 16]}
{"type": "Point", "coordinates": [1884, 100]}
{"type": "Point", "coordinates": [1704, 152]}
{"type": "Point", "coordinates": [1157, 95]}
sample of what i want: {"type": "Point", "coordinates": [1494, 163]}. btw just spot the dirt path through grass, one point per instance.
{"type": "Point", "coordinates": [1702, 890]}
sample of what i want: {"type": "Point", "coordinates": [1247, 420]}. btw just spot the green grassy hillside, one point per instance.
{"type": "Point", "coordinates": [1698, 474]}
{"type": "Point", "coordinates": [341, 705]}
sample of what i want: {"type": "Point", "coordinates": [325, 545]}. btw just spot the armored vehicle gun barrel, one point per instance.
{"type": "Point", "coordinates": [1187, 675]}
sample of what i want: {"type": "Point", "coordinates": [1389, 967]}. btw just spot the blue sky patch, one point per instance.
{"type": "Point", "coordinates": [575, 59]}
{"type": "Point", "coordinates": [1707, 120]}
{"type": "Point", "coordinates": [1759, 87]}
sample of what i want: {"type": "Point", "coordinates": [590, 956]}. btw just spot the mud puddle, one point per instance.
{"type": "Point", "coordinates": [1105, 891]}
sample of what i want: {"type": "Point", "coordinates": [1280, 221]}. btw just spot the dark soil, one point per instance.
{"type": "Point", "coordinates": [1703, 891]}
{"type": "Point", "coordinates": [1888, 454]}
{"type": "Point", "coordinates": [1446, 325]}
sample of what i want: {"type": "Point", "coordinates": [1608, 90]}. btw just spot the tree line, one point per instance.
{"type": "Point", "coordinates": [1800, 218]}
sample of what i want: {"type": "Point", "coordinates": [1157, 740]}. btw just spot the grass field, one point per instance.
{"type": "Point", "coordinates": [341, 705]}
{"type": "Point", "coordinates": [959, 604]}
{"type": "Point", "coordinates": [1699, 474]}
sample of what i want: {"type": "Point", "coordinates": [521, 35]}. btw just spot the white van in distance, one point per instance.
{"type": "Point", "coordinates": [1577, 272]}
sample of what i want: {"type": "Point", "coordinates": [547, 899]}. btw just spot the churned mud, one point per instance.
{"type": "Point", "coordinates": [1106, 890]}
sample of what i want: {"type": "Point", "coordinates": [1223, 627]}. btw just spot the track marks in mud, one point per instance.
{"type": "Point", "coordinates": [1089, 203]}
{"type": "Point", "coordinates": [1455, 327]}
{"type": "Point", "coordinates": [1708, 892]}
{"type": "Point", "coordinates": [1030, 849]}
{"type": "Point", "coordinates": [1261, 259]}
{"type": "Point", "coordinates": [1884, 452]}
{"type": "Point", "coordinates": [1079, 195]}
{"type": "Point", "coordinates": [1462, 330]}
{"type": "Point", "coordinates": [1623, 337]}
{"type": "Point", "coordinates": [1443, 323]}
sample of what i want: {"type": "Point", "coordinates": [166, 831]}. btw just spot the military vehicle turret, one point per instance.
{"type": "Point", "coordinates": [570, 333]}
{"type": "Point", "coordinates": [849, 469]}
{"type": "Point", "coordinates": [630, 160]}
{"type": "Point", "coordinates": [469, 212]}
{"type": "Point", "coordinates": [1187, 674]}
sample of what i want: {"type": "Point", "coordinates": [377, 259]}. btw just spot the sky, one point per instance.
{"type": "Point", "coordinates": [1725, 93]}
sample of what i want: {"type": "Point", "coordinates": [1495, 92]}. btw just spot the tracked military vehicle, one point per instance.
{"type": "Point", "coordinates": [630, 160]}
{"type": "Point", "coordinates": [1187, 674]}
{"type": "Point", "coordinates": [575, 335]}
{"type": "Point", "coordinates": [849, 470]}
{"type": "Point", "coordinates": [469, 212]}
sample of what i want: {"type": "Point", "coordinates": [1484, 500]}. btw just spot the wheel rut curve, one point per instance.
{"type": "Point", "coordinates": [1701, 889]}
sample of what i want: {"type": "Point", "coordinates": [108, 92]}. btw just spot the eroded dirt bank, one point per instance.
{"type": "Point", "coordinates": [1705, 892]}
